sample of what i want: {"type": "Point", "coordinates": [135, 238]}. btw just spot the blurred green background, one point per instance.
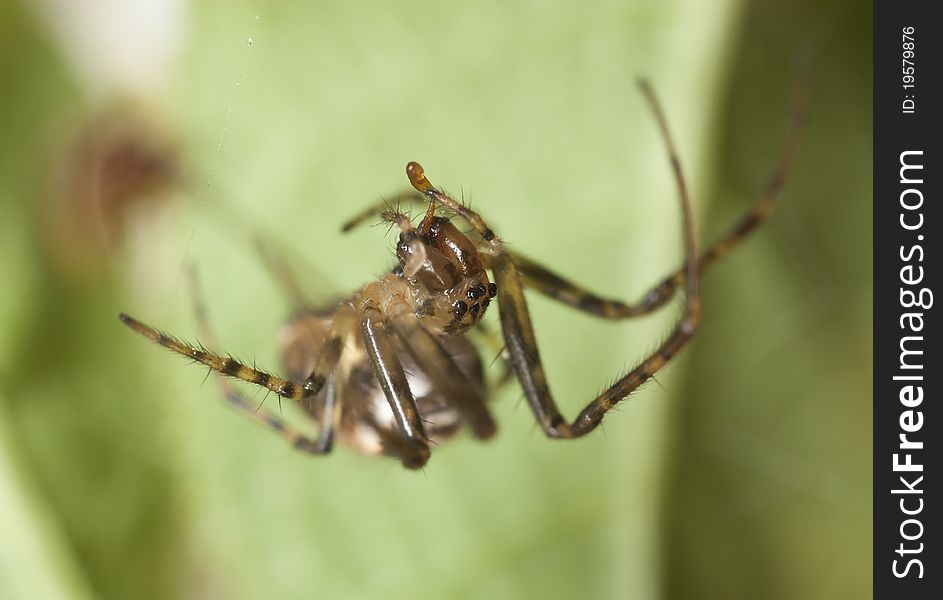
{"type": "Point", "coordinates": [744, 473]}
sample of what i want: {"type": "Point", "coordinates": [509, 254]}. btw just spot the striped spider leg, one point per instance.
{"type": "Point", "coordinates": [515, 317]}
{"type": "Point", "coordinates": [390, 370]}
{"type": "Point", "coordinates": [549, 284]}
{"type": "Point", "coordinates": [327, 413]}
{"type": "Point", "coordinates": [544, 281]}
{"type": "Point", "coordinates": [226, 365]}
{"type": "Point", "coordinates": [354, 367]}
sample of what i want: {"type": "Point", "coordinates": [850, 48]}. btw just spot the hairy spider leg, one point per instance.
{"type": "Point", "coordinates": [384, 207]}
{"type": "Point", "coordinates": [325, 439]}
{"type": "Point", "coordinates": [544, 281]}
{"type": "Point", "coordinates": [227, 365]}
{"type": "Point", "coordinates": [387, 205]}
{"type": "Point", "coordinates": [233, 368]}
{"type": "Point", "coordinates": [222, 364]}
{"type": "Point", "coordinates": [548, 283]}
{"type": "Point", "coordinates": [456, 387]}
{"type": "Point", "coordinates": [515, 317]}
{"type": "Point", "coordinates": [330, 354]}
{"type": "Point", "coordinates": [392, 379]}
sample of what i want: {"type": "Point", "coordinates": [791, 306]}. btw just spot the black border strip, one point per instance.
{"type": "Point", "coordinates": [907, 271]}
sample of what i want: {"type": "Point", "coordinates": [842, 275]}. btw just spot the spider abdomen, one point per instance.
{"type": "Point", "coordinates": [366, 422]}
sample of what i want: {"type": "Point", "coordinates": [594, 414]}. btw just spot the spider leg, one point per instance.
{"type": "Point", "coordinates": [495, 345]}
{"type": "Point", "coordinates": [392, 379]}
{"type": "Point", "coordinates": [545, 282]}
{"type": "Point", "coordinates": [221, 364]}
{"type": "Point", "coordinates": [325, 364]}
{"type": "Point", "coordinates": [371, 212]}
{"type": "Point", "coordinates": [522, 344]}
{"type": "Point", "coordinates": [321, 445]}
{"type": "Point", "coordinates": [515, 317]}
{"type": "Point", "coordinates": [393, 442]}
{"type": "Point", "coordinates": [330, 353]}
{"type": "Point", "coordinates": [435, 361]}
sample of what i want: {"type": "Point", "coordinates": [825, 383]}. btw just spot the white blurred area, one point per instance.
{"type": "Point", "coordinates": [114, 161]}
{"type": "Point", "coordinates": [117, 48]}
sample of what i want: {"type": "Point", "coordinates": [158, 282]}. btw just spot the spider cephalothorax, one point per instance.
{"type": "Point", "coordinates": [451, 286]}
{"type": "Point", "coordinates": [391, 370]}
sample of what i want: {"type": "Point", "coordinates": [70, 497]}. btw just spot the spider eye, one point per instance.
{"type": "Point", "coordinates": [460, 308]}
{"type": "Point", "coordinates": [492, 289]}
{"type": "Point", "coordinates": [476, 292]}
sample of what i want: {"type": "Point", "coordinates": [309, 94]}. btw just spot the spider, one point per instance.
{"type": "Point", "coordinates": [390, 371]}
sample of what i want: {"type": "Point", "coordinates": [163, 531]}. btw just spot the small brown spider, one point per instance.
{"type": "Point", "coordinates": [389, 371]}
